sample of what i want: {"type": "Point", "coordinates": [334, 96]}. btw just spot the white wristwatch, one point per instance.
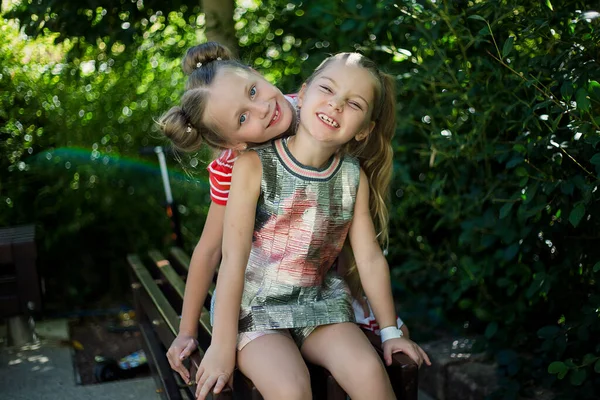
{"type": "Point", "coordinates": [391, 332]}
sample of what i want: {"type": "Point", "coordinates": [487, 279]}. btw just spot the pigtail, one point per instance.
{"type": "Point", "coordinates": [376, 159]}
{"type": "Point", "coordinates": [175, 126]}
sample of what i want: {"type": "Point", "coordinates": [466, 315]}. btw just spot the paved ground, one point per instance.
{"type": "Point", "coordinates": [46, 372]}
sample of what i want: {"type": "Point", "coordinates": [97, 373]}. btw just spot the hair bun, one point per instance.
{"type": "Point", "coordinates": [204, 54]}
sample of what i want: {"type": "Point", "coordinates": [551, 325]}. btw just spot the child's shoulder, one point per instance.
{"type": "Point", "coordinates": [351, 160]}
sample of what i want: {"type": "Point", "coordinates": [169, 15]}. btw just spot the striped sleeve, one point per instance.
{"type": "Point", "coordinates": [219, 175]}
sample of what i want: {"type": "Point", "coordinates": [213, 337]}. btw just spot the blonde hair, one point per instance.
{"type": "Point", "coordinates": [183, 125]}
{"type": "Point", "coordinates": [375, 154]}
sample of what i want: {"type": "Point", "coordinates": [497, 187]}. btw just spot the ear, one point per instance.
{"type": "Point", "coordinates": [301, 94]}
{"type": "Point", "coordinates": [365, 132]}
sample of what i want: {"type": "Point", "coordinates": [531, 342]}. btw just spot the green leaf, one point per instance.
{"type": "Point", "coordinates": [595, 159]}
{"type": "Point", "coordinates": [520, 171]}
{"type": "Point", "coordinates": [503, 282]}
{"type": "Point", "coordinates": [513, 162]}
{"type": "Point", "coordinates": [596, 267]}
{"type": "Point", "coordinates": [566, 90]}
{"type": "Point", "coordinates": [505, 210]}
{"type": "Point", "coordinates": [348, 25]}
{"type": "Point", "coordinates": [594, 88]}
{"type": "Point", "coordinates": [593, 140]}
{"type": "Point", "coordinates": [549, 5]}
{"type": "Point", "coordinates": [556, 367]}
{"type": "Point", "coordinates": [508, 46]}
{"type": "Point", "coordinates": [597, 367]}
{"type": "Point", "coordinates": [577, 376]}
{"type": "Point", "coordinates": [491, 329]}
{"type": "Point", "coordinates": [589, 359]}
{"type": "Point", "coordinates": [530, 193]}
{"type": "Point", "coordinates": [477, 17]}
{"type": "Point", "coordinates": [577, 214]}
{"type": "Point", "coordinates": [548, 332]}
{"type": "Point", "coordinates": [583, 100]}
{"type": "Point", "coordinates": [511, 251]}
{"type": "Point", "coordinates": [537, 283]}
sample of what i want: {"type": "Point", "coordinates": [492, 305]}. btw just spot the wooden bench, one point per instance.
{"type": "Point", "coordinates": [19, 281]}
{"type": "Point", "coordinates": [158, 286]}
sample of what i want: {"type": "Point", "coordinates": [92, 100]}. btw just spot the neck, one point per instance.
{"type": "Point", "coordinates": [308, 151]}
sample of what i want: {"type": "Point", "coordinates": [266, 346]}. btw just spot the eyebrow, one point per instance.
{"type": "Point", "coordinates": [357, 95]}
{"type": "Point", "coordinates": [237, 112]}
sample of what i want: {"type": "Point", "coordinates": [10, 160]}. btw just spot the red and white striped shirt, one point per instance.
{"type": "Point", "coordinates": [219, 175]}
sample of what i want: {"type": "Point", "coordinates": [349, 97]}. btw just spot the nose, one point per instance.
{"type": "Point", "coordinates": [262, 109]}
{"type": "Point", "coordinates": [336, 103]}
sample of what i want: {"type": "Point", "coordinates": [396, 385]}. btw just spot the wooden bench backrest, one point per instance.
{"type": "Point", "coordinates": [19, 281]}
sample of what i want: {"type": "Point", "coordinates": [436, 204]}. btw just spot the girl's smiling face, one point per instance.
{"type": "Point", "coordinates": [336, 106]}
{"type": "Point", "coordinates": [245, 108]}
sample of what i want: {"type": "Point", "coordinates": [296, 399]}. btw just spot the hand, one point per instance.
{"type": "Point", "coordinates": [405, 346]}
{"type": "Point", "coordinates": [216, 369]}
{"type": "Point", "coordinates": [180, 349]}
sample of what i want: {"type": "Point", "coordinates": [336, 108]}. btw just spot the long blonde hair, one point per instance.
{"type": "Point", "coordinates": [375, 154]}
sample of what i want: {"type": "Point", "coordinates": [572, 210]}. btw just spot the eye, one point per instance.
{"type": "Point", "coordinates": [252, 91]}
{"type": "Point", "coordinates": [325, 88]}
{"type": "Point", "coordinates": [355, 105]}
{"type": "Point", "coordinates": [243, 118]}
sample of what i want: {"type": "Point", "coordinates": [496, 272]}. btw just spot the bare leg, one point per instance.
{"type": "Point", "coordinates": [275, 366]}
{"type": "Point", "coordinates": [347, 353]}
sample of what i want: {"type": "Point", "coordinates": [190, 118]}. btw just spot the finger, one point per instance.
{"type": "Point", "coordinates": [205, 389]}
{"type": "Point", "coordinates": [387, 355]}
{"type": "Point", "coordinates": [184, 373]}
{"type": "Point", "coordinates": [178, 367]}
{"type": "Point", "coordinates": [221, 382]}
{"type": "Point", "coordinates": [425, 356]}
{"type": "Point", "coordinates": [412, 353]}
{"type": "Point", "coordinates": [201, 377]}
{"type": "Point", "coordinates": [189, 349]}
{"type": "Point", "coordinates": [415, 355]}
{"type": "Point", "coordinates": [173, 361]}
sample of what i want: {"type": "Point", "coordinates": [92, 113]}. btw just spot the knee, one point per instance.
{"type": "Point", "coordinates": [295, 388]}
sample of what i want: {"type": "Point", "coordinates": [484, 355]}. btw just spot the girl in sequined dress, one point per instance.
{"type": "Point", "coordinates": [206, 65]}
{"type": "Point", "coordinates": [292, 204]}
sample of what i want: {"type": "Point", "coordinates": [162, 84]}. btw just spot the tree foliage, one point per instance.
{"type": "Point", "coordinates": [495, 211]}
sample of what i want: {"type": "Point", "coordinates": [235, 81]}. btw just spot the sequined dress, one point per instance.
{"type": "Point", "coordinates": [302, 219]}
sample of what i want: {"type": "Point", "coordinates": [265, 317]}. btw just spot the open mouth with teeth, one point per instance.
{"type": "Point", "coordinates": [328, 120]}
{"type": "Point", "coordinates": [275, 116]}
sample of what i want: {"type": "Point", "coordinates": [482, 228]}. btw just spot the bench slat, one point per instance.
{"type": "Point", "coordinates": [165, 268]}
{"type": "Point", "coordinates": [158, 298]}
{"type": "Point", "coordinates": [184, 261]}
{"type": "Point", "coordinates": [181, 257]}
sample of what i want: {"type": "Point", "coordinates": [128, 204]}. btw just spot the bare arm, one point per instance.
{"type": "Point", "coordinates": [375, 275]}
{"type": "Point", "coordinates": [218, 363]}
{"type": "Point", "coordinates": [203, 264]}
{"type": "Point", "coordinates": [372, 266]}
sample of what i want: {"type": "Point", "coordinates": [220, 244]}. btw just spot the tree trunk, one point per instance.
{"type": "Point", "coordinates": [219, 22]}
